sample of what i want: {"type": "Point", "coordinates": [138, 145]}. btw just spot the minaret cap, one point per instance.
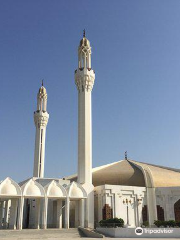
{"type": "Point", "coordinates": [84, 41]}
{"type": "Point", "coordinates": [42, 89]}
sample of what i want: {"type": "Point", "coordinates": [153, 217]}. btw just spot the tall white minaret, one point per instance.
{"type": "Point", "coordinates": [84, 79]}
{"type": "Point", "coordinates": [41, 117]}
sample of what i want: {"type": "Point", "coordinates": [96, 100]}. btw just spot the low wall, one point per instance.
{"type": "Point", "coordinates": [140, 232]}
{"type": "Point", "coordinates": [90, 233]}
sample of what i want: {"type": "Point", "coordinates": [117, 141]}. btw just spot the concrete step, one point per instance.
{"type": "Point", "coordinates": [30, 234]}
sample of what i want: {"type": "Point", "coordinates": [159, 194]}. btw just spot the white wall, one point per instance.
{"type": "Point", "coordinates": [114, 195]}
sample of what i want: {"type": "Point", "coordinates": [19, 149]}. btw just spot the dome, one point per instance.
{"type": "Point", "coordinates": [42, 90]}
{"type": "Point", "coordinates": [133, 173]}
{"type": "Point", "coordinates": [159, 176]}
{"type": "Point", "coordinates": [84, 42]}
{"type": "Point", "coordinates": [118, 173]}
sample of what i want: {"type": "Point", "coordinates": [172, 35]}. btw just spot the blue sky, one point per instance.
{"type": "Point", "coordinates": [136, 96]}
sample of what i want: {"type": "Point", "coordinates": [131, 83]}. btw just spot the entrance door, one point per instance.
{"type": "Point", "coordinates": [177, 210]}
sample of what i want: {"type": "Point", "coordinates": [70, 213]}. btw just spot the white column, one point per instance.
{"type": "Point", "coordinates": [100, 207]}
{"type": "Point", "coordinates": [139, 210]}
{"type": "Point", "coordinates": [44, 214]}
{"type": "Point", "coordinates": [89, 209]}
{"type": "Point", "coordinates": [20, 213]}
{"type": "Point", "coordinates": [6, 213]}
{"type": "Point", "coordinates": [1, 212]}
{"type": "Point", "coordinates": [76, 213]}
{"type": "Point", "coordinates": [136, 221]}
{"type": "Point", "coordinates": [67, 202]}
{"type": "Point", "coordinates": [81, 212]}
{"type": "Point", "coordinates": [151, 205]}
{"type": "Point", "coordinates": [85, 153]}
{"type": "Point", "coordinates": [84, 138]}
{"type": "Point", "coordinates": [59, 213]}
{"type": "Point", "coordinates": [39, 154]}
{"type": "Point", "coordinates": [166, 207]}
{"type": "Point", "coordinates": [13, 214]}
{"type": "Point", "coordinates": [37, 217]}
{"type": "Point", "coordinates": [36, 153]}
{"type": "Point", "coordinates": [89, 56]}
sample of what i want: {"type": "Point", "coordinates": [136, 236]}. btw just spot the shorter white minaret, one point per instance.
{"type": "Point", "coordinates": [41, 117]}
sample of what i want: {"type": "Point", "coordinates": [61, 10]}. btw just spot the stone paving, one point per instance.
{"type": "Point", "coordinates": [34, 234]}
{"type": "Point", "coordinates": [52, 234]}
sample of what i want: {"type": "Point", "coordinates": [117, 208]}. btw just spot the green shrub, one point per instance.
{"type": "Point", "coordinates": [171, 223]}
{"type": "Point", "coordinates": [146, 224]}
{"type": "Point", "coordinates": [112, 222]}
{"type": "Point", "coordinates": [158, 223]}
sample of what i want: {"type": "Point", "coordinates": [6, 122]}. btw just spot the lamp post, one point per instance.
{"type": "Point", "coordinates": [127, 202]}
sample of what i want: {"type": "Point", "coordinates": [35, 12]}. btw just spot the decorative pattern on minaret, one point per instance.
{"type": "Point", "coordinates": [84, 75]}
{"type": "Point", "coordinates": [84, 82]}
{"type": "Point", "coordinates": [40, 120]}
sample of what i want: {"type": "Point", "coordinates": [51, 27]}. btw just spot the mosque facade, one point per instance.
{"type": "Point", "coordinates": [134, 191]}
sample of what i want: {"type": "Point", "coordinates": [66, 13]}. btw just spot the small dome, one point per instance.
{"type": "Point", "coordinates": [84, 42]}
{"type": "Point", "coordinates": [42, 90]}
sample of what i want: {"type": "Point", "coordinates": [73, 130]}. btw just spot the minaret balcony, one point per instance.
{"type": "Point", "coordinates": [41, 118]}
{"type": "Point", "coordinates": [85, 72]}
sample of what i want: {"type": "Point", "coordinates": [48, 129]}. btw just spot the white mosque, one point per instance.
{"type": "Point", "coordinates": [127, 189]}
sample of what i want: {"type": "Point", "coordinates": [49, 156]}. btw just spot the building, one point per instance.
{"type": "Point", "coordinates": [135, 191]}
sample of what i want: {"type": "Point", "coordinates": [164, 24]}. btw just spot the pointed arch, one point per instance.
{"type": "Point", "coordinates": [32, 189]}
{"type": "Point", "coordinates": [55, 190]}
{"type": "Point", "coordinates": [76, 191]}
{"type": "Point", "coordinates": [177, 210]}
{"type": "Point", "coordinates": [9, 187]}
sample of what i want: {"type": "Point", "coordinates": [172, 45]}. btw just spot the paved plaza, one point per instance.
{"type": "Point", "coordinates": [32, 234]}
{"type": "Point", "coordinates": [50, 234]}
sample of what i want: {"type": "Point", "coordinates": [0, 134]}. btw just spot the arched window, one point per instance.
{"type": "Point", "coordinates": [160, 213]}
{"type": "Point", "coordinates": [177, 210]}
{"type": "Point", "coordinates": [144, 213]}
{"type": "Point", "coordinates": [107, 212]}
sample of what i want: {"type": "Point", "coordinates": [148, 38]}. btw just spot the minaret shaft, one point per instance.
{"type": "Point", "coordinates": [39, 154]}
{"type": "Point", "coordinates": [84, 137]}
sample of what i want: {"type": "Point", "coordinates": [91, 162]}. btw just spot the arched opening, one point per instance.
{"type": "Point", "coordinates": [10, 194]}
{"type": "Point", "coordinates": [160, 213]}
{"type": "Point", "coordinates": [144, 213]}
{"type": "Point", "coordinates": [33, 208]}
{"type": "Point", "coordinates": [77, 196]}
{"type": "Point", "coordinates": [107, 212]}
{"type": "Point", "coordinates": [56, 195]}
{"type": "Point", "coordinates": [177, 210]}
